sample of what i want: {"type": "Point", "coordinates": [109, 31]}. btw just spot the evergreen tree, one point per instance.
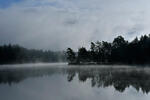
{"type": "Point", "coordinates": [70, 55]}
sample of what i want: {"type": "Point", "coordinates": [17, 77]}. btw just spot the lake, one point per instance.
{"type": "Point", "coordinates": [58, 81]}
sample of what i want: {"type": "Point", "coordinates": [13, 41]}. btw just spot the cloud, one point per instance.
{"type": "Point", "coordinates": [58, 24]}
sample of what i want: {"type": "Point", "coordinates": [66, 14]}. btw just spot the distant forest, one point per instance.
{"type": "Point", "coordinates": [120, 51]}
{"type": "Point", "coordinates": [16, 54]}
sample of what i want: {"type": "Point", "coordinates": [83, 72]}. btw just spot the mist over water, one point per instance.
{"type": "Point", "coordinates": [35, 34]}
{"type": "Point", "coordinates": [58, 81]}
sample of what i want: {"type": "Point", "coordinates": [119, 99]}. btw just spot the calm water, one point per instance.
{"type": "Point", "coordinates": [63, 82]}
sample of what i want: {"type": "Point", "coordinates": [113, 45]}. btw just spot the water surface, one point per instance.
{"type": "Point", "coordinates": [58, 81]}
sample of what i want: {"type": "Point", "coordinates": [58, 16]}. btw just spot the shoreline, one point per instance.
{"type": "Point", "coordinates": [110, 63]}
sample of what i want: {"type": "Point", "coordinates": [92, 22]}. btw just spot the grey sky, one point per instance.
{"type": "Point", "coordinates": [58, 24]}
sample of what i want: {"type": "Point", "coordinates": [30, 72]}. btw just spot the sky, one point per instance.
{"type": "Point", "coordinates": [59, 24]}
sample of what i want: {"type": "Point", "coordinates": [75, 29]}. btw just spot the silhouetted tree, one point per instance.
{"type": "Point", "coordinates": [16, 54]}
{"type": "Point", "coordinates": [106, 51]}
{"type": "Point", "coordinates": [70, 55]}
{"type": "Point", "coordinates": [93, 52]}
{"type": "Point", "coordinates": [119, 47]}
{"type": "Point", "coordinates": [119, 51]}
{"type": "Point", "coordinates": [83, 55]}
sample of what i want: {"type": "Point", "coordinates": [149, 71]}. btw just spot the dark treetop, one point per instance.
{"type": "Point", "coordinates": [16, 54]}
{"type": "Point", "coordinates": [120, 51]}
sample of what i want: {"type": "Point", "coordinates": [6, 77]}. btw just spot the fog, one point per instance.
{"type": "Point", "coordinates": [59, 82]}
{"type": "Point", "coordinates": [58, 24]}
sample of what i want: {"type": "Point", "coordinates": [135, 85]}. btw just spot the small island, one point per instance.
{"type": "Point", "coordinates": [120, 51]}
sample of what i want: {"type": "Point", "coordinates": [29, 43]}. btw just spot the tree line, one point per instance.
{"type": "Point", "coordinates": [17, 54]}
{"type": "Point", "coordinates": [118, 51]}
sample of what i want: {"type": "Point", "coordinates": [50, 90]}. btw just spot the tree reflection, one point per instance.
{"type": "Point", "coordinates": [10, 76]}
{"type": "Point", "coordinates": [119, 78]}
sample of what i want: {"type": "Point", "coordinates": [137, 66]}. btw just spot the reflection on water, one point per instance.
{"type": "Point", "coordinates": [119, 78]}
